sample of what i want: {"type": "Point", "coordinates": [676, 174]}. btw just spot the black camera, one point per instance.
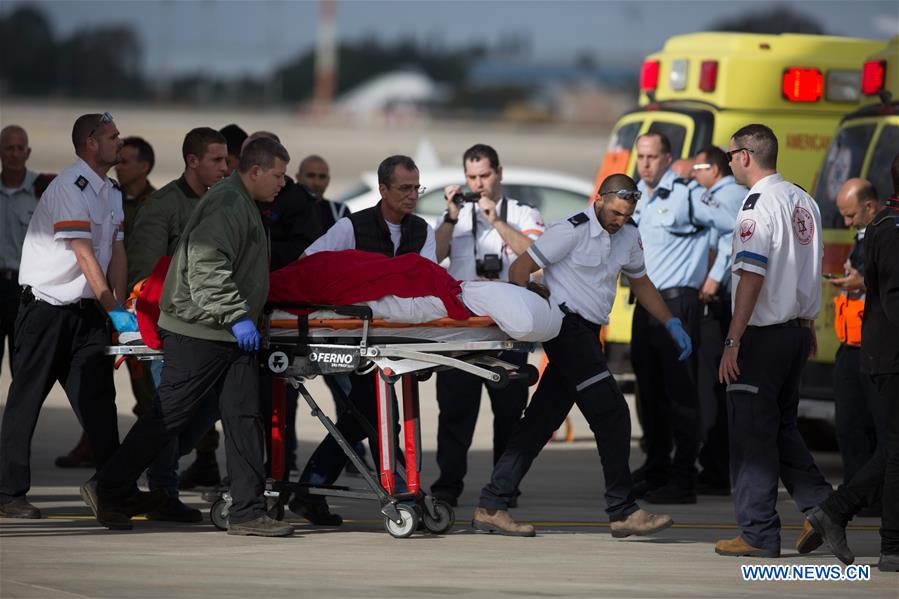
{"type": "Point", "coordinates": [489, 267]}
{"type": "Point", "coordinates": [471, 196]}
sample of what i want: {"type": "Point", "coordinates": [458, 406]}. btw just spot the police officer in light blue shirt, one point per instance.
{"type": "Point", "coordinates": [716, 188]}
{"type": "Point", "coordinates": [676, 230]}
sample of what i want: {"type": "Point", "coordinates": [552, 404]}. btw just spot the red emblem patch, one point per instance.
{"type": "Point", "coordinates": [639, 241]}
{"type": "Point", "coordinates": [803, 225]}
{"type": "Point", "coordinates": [747, 228]}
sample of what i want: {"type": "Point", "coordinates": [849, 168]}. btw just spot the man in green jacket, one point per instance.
{"type": "Point", "coordinates": [214, 293]}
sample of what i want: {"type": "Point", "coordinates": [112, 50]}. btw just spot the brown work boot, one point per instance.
{"type": "Point", "coordinates": [640, 523]}
{"type": "Point", "coordinates": [809, 539]}
{"type": "Point", "coordinates": [500, 522]}
{"type": "Point", "coordinates": [740, 548]}
{"type": "Point", "coordinates": [81, 456]}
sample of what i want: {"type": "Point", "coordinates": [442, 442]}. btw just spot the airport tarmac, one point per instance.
{"type": "Point", "coordinates": [67, 554]}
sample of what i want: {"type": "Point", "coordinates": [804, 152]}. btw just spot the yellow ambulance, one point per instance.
{"type": "Point", "coordinates": [702, 87]}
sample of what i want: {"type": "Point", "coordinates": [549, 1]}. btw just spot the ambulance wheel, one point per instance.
{"type": "Point", "coordinates": [533, 375]}
{"type": "Point", "coordinates": [218, 513]}
{"type": "Point", "coordinates": [444, 520]}
{"type": "Point", "coordinates": [503, 378]}
{"type": "Point", "coordinates": [405, 528]}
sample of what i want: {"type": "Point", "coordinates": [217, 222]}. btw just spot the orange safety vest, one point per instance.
{"type": "Point", "coordinates": [847, 319]}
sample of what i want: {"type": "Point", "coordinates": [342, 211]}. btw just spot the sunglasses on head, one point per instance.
{"type": "Point", "coordinates": [104, 119]}
{"type": "Point", "coordinates": [702, 166]}
{"type": "Point", "coordinates": [631, 195]}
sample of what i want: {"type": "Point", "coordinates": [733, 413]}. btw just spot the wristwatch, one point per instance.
{"type": "Point", "coordinates": [731, 342]}
{"type": "Point", "coordinates": [447, 219]}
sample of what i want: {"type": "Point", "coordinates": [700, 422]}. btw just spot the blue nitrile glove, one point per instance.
{"type": "Point", "coordinates": [123, 320]}
{"type": "Point", "coordinates": [676, 330]}
{"type": "Point", "coordinates": [246, 333]}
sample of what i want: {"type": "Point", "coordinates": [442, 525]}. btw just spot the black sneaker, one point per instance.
{"type": "Point", "coordinates": [670, 494]}
{"type": "Point", "coordinates": [449, 498]}
{"type": "Point", "coordinates": [204, 472]}
{"type": "Point", "coordinates": [263, 526]}
{"type": "Point", "coordinates": [19, 508]}
{"type": "Point", "coordinates": [316, 512]}
{"type": "Point", "coordinates": [174, 510]}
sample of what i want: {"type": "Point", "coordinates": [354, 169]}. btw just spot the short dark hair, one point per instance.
{"type": "Point", "coordinates": [83, 127]}
{"type": "Point", "coordinates": [716, 156]}
{"type": "Point", "coordinates": [234, 137]}
{"type": "Point", "coordinates": [261, 152]}
{"type": "Point", "coordinates": [479, 152]}
{"type": "Point", "coordinates": [663, 140]}
{"type": "Point", "coordinates": [894, 173]}
{"type": "Point", "coordinates": [762, 141]}
{"type": "Point", "coordinates": [198, 140]}
{"type": "Point", "coordinates": [867, 193]}
{"type": "Point", "coordinates": [616, 182]}
{"type": "Point", "coordinates": [389, 164]}
{"type": "Point", "coordinates": [144, 150]}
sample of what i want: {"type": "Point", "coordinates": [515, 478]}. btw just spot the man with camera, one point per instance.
{"type": "Point", "coordinates": [482, 233]}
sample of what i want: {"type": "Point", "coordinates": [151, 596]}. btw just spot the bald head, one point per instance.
{"type": "Point", "coordinates": [857, 202]}
{"type": "Point", "coordinates": [314, 174]}
{"type": "Point", "coordinates": [13, 130]}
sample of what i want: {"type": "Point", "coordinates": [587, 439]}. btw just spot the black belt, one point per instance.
{"type": "Point", "coordinates": [9, 275]}
{"type": "Point", "coordinates": [569, 312]}
{"type": "Point", "coordinates": [81, 304]}
{"type": "Point", "coordinates": [676, 292]}
{"type": "Point", "coordinates": [796, 323]}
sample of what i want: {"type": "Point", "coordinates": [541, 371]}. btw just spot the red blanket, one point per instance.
{"type": "Point", "coordinates": [353, 276]}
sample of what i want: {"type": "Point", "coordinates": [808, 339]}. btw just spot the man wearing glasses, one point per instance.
{"type": "Point", "coordinates": [718, 188]}
{"type": "Point", "coordinates": [582, 257]}
{"type": "Point", "coordinates": [676, 235]}
{"type": "Point", "coordinates": [388, 228]}
{"type": "Point", "coordinates": [73, 275]}
{"type": "Point", "coordinates": [776, 293]}
{"type": "Point", "coordinates": [481, 237]}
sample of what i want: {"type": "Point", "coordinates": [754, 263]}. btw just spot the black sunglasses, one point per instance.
{"type": "Point", "coordinates": [730, 154]}
{"type": "Point", "coordinates": [104, 118]}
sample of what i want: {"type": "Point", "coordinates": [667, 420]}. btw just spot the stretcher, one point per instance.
{"type": "Point", "coordinates": [329, 340]}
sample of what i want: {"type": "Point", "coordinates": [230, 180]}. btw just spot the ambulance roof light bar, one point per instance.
{"type": "Point", "coordinates": [803, 85]}
{"type": "Point", "coordinates": [708, 75]}
{"type": "Point", "coordinates": [649, 76]}
{"type": "Point", "coordinates": [873, 76]}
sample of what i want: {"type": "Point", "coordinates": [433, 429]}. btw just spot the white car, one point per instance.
{"type": "Point", "coordinates": [555, 195]}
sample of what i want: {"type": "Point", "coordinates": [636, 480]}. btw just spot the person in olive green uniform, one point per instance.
{"type": "Point", "coordinates": [213, 295]}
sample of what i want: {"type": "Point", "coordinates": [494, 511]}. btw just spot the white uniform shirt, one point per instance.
{"type": "Point", "coordinates": [462, 264]}
{"type": "Point", "coordinates": [342, 237]}
{"type": "Point", "coordinates": [78, 204]}
{"type": "Point", "coordinates": [581, 263]}
{"type": "Point", "coordinates": [778, 235]}
{"type": "Point", "coordinates": [16, 207]}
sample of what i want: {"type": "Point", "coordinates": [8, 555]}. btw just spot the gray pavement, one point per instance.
{"type": "Point", "coordinates": [67, 554]}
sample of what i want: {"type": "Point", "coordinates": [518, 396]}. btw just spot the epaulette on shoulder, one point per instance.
{"type": "Point", "coordinates": [81, 182]}
{"type": "Point", "coordinates": [751, 200]}
{"type": "Point", "coordinates": [579, 219]}
{"type": "Point", "coordinates": [801, 187]}
{"type": "Point", "coordinates": [630, 222]}
{"type": "Point", "coordinates": [681, 181]}
{"type": "Point", "coordinates": [115, 184]}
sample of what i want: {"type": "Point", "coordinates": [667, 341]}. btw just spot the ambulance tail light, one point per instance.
{"type": "Point", "coordinates": [708, 75]}
{"type": "Point", "coordinates": [803, 85]}
{"type": "Point", "coordinates": [873, 76]}
{"type": "Point", "coordinates": [649, 76]}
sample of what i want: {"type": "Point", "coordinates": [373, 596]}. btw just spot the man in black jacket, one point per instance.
{"type": "Point", "coordinates": [880, 359]}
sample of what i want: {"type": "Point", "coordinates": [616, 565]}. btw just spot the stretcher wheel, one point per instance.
{"type": "Point", "coordinates": [218, 513]}
{"type": "Point", "coordinates": [503, 378]}
{"type": "Point", "coordinates": [408, 526]}
{"type": "Point", "coordinates": [444, 520]}
{"type": "Point", "coordinates": [533, 374]}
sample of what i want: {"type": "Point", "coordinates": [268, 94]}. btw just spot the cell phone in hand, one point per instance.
{"type": "Point", "coordinates": [831, 275]}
